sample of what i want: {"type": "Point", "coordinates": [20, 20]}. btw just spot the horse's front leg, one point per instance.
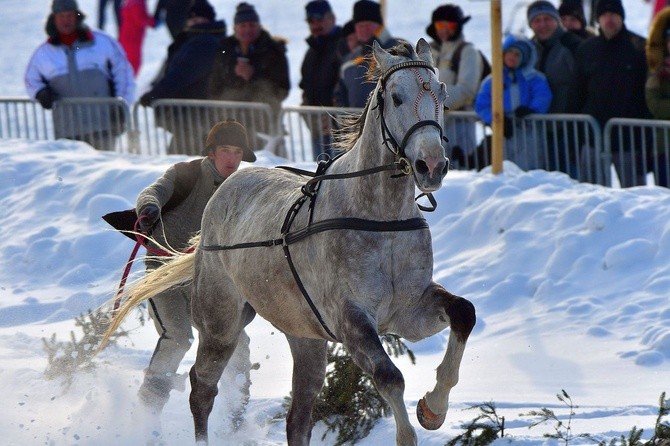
{"type": "Point", "coordinates": [432, 409]}
{"type": "Point", "coordinates": [360, 338]}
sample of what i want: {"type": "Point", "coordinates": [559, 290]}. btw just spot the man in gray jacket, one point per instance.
{"type": "Point", "coordinates": [171, 210]}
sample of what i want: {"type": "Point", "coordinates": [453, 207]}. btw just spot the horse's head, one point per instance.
{"type": "Point", "coordinates": [411, 105]}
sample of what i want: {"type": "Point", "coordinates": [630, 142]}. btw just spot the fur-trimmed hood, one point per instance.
{"type": "Point", "coordinates": [655, 47]}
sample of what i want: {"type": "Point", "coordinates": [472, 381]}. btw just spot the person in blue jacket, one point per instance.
{"type": "Point", "coordinates": [525, 91]}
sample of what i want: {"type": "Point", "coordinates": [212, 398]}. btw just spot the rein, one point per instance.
{"type": "Point", "coordinates": [141, 240]}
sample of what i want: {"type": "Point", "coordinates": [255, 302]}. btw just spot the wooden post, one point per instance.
{"type": "Point", "coordinates": [497, 114]}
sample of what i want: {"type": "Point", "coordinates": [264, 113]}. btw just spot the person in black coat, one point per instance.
{"type": "Point", "coordinates": [611, 73]}
{"type": "Point", "coordinates": [320, 69]}
{"type": "Point", "coordinates": [251, 66]}
{"type": "Point", "coordinates": [187, 75]}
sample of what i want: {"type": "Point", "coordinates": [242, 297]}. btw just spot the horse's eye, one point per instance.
{"type": "Point", "coordinates": [396, 100]}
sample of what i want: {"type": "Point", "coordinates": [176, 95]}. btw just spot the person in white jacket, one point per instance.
{"type": "Point", "coordinates": [77, 62]}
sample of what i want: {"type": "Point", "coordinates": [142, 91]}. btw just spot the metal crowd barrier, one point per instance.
{"type": "Point", "coordinates": [307, 130]}
{"type": "Point", "coordinates": [636, 150]}
{"type": "Point", "coordinates": [104, 123]}
{"type": "Point", "coordinates": [640, 150]}
{"type": "Point", "coordinates": [25, 119]}
{"type": "Point", "coordinates": [180, 126]}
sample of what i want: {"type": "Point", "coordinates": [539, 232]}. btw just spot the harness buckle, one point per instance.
{"type": "Point", "coordinates": [404, 166]}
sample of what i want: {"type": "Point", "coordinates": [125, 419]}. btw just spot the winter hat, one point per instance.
{"type": "Point", "coordinates": [230, 133]}
{"type": "Point", "coordinates": [64, 5]}
{"type": "Point", "coordinates": [448, 13]}
{"type": "Point", "coordinates": [573, 8]}
{"type": "Point", "coordinates": [202, 8]}
{"type": "Point", "coordinates": [246, 13]}
{"type": "Point", "coordinates": [542, 7]}
{"type": "Point", "coordinates": [317, 9]}
{"type": "Point", "coordinates": [367, 11]}
{"type": "Point", "coordinates": [614, 6]}
{"type": "Point", "coordinates": [348, 28]}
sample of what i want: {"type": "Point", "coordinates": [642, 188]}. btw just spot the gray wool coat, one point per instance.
{"type": "Point", "coordinates": [177, 226]}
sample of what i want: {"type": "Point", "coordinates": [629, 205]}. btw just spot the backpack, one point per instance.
{"type": "Point", "coordinates": [456, 61]}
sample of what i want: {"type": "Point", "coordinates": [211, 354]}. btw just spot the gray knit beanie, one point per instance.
{"type": "Point", "coordinates": [64, 5]}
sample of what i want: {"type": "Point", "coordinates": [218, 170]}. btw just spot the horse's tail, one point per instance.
{"type": "Point", "coordinates": [178, 270]}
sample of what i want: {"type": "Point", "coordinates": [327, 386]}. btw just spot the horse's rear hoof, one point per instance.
{"type": "Point", "coordinates": [427, 418]}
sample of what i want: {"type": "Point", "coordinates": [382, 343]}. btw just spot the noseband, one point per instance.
{"type": "Point", "coordinates": [387, 136]}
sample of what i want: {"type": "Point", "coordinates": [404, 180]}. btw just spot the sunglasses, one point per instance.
{"type": "Point", "coordinates": [443, 25]}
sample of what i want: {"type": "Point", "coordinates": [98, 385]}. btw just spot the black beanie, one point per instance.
{"type": "Point", "coordinates": [614, 6]}
{"type": "Point", "coordinates": [202, 8]}
{"type": "Point", "coordinates": [246, 13]}
{"type": "Point", "coordinates": [367, 11]}
{"type": "Point", "coordinates": [573, 8]}
{"type": "Point", "coordinates": [230, 133]}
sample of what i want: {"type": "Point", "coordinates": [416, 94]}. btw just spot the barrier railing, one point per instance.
{"type": "Point", "coordinates": [569, 143]}
{"type": "Point", "coordinates": [181, 125]}
{"type": "Point", "coordinates": [23, 118]}
{"type": "Point", "coordinates": [308, 129]}
{"type": "Point", "coordinates": [639, 148]}
{"type": "Point", "coordinates": [104, 123]}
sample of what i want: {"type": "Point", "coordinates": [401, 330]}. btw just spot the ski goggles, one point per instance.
{"type": "Point", "coordinates": [443, 25]}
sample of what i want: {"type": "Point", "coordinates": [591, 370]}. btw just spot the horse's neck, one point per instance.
{"type": "Point", "coordinates": [380, 195]}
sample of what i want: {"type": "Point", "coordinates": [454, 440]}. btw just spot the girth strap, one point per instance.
{"type": "Point", "coordinates": [355, 224]}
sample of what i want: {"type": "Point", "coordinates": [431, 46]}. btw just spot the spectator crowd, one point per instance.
{"type": "Point", "coordinates": [570, 65]}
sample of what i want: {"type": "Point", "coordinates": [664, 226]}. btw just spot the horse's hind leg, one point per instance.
{"type": "Point", "coordinates": [309, 371]}
{"type": "Point", "coordinates": [361, 340]}
{"type": "Point", "coordinates": [214, 352]}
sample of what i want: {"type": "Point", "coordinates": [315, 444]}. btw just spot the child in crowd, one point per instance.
{"type": "Point", "coordinates": [525, 91]}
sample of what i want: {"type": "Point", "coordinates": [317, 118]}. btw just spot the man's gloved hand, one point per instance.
{"type": "Point", "coordinates": [46, 97]}
{"type": "Point", "coordinates": [508, 127]}
{"type": "Point", "coordinates": [148, 217]}
{"type": "Point", "coordinates": [146, 99]}
{"type": "Point", "coordinates": [522, 111]}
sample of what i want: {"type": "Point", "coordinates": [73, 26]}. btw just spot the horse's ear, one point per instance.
{"type": "Point", "coordinates": [423, 51]}
{"type": "Point", "coordinates": [382, 56]}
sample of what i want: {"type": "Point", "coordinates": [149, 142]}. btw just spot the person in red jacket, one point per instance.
{"type": "Point", "coordinates": [134, 21]}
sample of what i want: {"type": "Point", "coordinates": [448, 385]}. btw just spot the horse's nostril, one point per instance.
{"type": "Point", "coordinates": [421, 167]}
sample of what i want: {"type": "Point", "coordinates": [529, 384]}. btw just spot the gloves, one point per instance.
{"type": "Point", "coordinates": [46, 97]}
{"type": "Point", "coordinates": [522, 111]}
{"type": "Point", "coordinates": [148, 217]}
{"type": "Point", "coordinates": [146, 99]}
{"type": "Point", "coordinates": [508, 127]}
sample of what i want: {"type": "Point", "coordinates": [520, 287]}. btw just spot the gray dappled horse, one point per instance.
{"type": "Point", "coordinates": [360, 259]}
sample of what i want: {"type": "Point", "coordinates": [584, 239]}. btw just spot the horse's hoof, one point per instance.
{"type": "Point", "coordinates": [427, 418]}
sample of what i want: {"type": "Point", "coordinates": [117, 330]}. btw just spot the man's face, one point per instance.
{"type": "Point", "coordinates": [366, 30]}
{"type": "Point", "coordinates": [610, 24]}
{"type": "Point", "coordinates": [323, 26]}
{"type": "Point", "coordinates": [544, 26]}
{"type": "Point", "coordinates": [226, 159]}
{"type": "Point", "coordinates": [571, 23]}
{"type": "Point", "coordinates": [247, 32]}
{"type": "Point", "coordinates": [66, 22]}
{"type": "Point", "coordinates": [445, 29]}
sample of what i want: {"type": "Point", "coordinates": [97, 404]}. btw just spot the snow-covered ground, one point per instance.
{"type": "Point", "coordinates": [570, 281]}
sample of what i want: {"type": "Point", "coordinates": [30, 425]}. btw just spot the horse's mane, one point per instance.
{"type": "Point", "coordinates": [350, 126]}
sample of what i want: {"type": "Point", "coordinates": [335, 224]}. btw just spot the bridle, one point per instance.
{"type": "Point", "coordinates": [387, 137]}
{"type": "Point", "coordinates": [310, 189]}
